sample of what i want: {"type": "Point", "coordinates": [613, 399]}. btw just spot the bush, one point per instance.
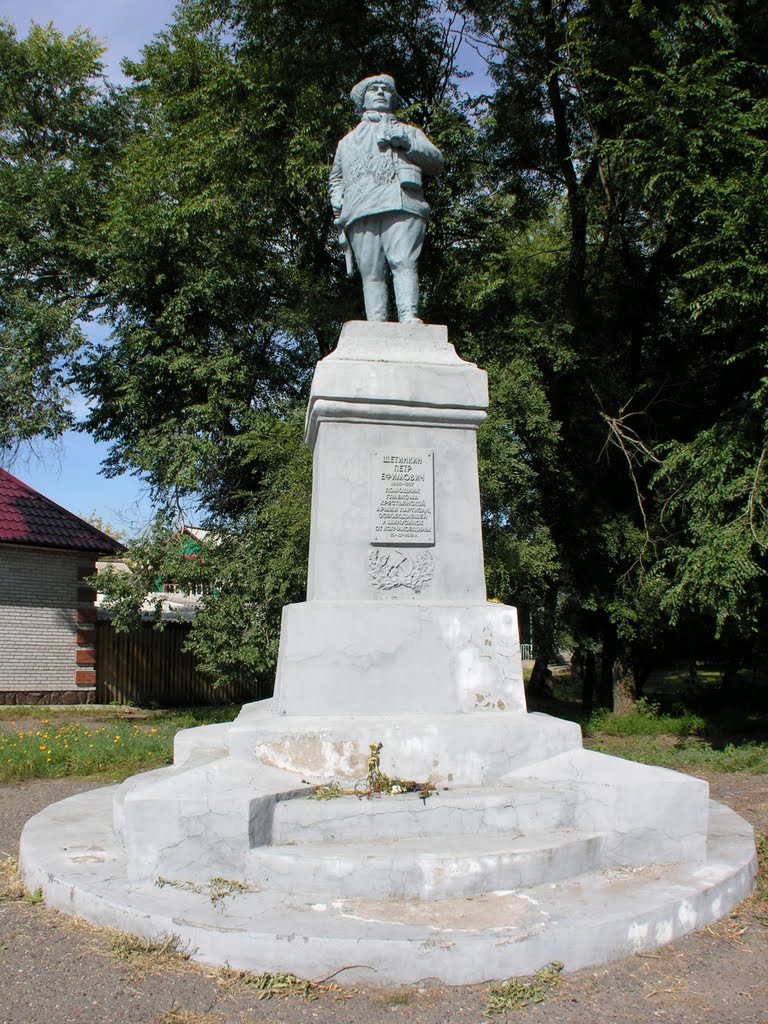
{"type": "Point", "coordinates": [645, 719]}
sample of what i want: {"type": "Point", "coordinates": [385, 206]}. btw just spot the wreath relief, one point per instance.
{"type": "Point", "coordinates": [391, 569]}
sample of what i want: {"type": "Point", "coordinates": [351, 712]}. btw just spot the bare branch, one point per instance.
{"type": "Point", "coordinates": [754, 505]}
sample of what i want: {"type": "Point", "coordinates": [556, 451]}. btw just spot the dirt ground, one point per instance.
{"type": "Point", "coordinates": [58, 971]}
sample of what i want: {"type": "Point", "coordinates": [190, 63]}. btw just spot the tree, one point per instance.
{"type": "Point", "coordinates": [697, 137]}
{"type": "Point", "coordinates": [625, 144]}
{"type": "Point", "coordinates": [223, 278]}
{"type": "Point", "coordinates": [598, 245]}
{"type": "Point", "coordinates": [61, 130]}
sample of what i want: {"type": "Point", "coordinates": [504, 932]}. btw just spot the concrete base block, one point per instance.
{"type": "Point", "coordinates": [649, 813]}
{"type": "Point", "coordinates": [198, 822]}
{"type": "Point", "coordinates": [448, 749]}
{"type": "Point", "coordinates": [370, 657]}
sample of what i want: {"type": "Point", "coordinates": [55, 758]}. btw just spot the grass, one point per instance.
{"type": "Point", "coordinates": [686, 755]}
{"type": "Point", "coordinates": [274, 984]}
{"type": "Point", "coordinates": [11, 885]}
{"type": "Point", "coordinates": [113, 745]}
{"type": "Point", "coordinates": [217, 889]}
{"type": "Point", "coordinates": [645, 719]}
{"type": "Point", "coordinates": [695, 726]}
{"type": "Point", "coordinates": [12, 889]}
{"type": "Point", "coordinates": [189, 1017]}
{"type": "Point", "coordinates": [761, 889]}
{"type": "Point", "coordinates": [147, 954]}
{"type": "Point", "coordinates": [684, 741]}
{"type": "Point", "coordinates": [397, 997]}
{"type": "Point", "coordinates": [702, 727]}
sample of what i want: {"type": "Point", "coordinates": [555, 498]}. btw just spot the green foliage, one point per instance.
{"type": "Point", "coordinates": [249, 567]}
{"type": "Point", "coordinates": [224, 284]}
{"type": "Point", "coordinates": [61, 131]}
{"type": "Point", "coordinates": [645, 719]}
{"type": "Point", "coordinates": [718, 499]}
{"type": "Point", "coordinates": [598, 244]}
{"type": "Point", "coordinates": [696, 139]}
{"type": "Point", "coordinates": [622, 277]}
{"type": "Point", "coordinates": [515, 994]}
{"type": "Point", "coordinates": [278, 983]}
{"type": "Point", "coordinates": [221, 267]}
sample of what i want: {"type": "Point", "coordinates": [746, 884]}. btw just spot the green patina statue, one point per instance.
{"type": "Point", "coordinates": [378, 199]}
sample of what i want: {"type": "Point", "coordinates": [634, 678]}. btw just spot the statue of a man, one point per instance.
{"type": "Point", "coordinates": [378, 200]}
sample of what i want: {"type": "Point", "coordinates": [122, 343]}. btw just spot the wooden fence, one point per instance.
{"type": "Point", "coordinates": [148, 667]}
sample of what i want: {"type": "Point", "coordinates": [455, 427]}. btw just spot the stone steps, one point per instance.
{"type": "Point", "coordinates": [70, 851]}
{"type": "Point", "coordinates": [421, 868]}
{"type": "Point", "coordinates": [521, 807]}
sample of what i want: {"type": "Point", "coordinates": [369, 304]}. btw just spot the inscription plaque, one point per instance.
{"type": "Point", "coordinates": [402, 496]}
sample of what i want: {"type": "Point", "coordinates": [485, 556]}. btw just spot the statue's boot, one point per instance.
{"type": "Point", "coordinates": [406, 284]}
{"type": "Point", "coordinates": [375, 295]}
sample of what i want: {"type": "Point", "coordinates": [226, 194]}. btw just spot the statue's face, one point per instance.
{"type": "Point", "coordinates": [378, 96]}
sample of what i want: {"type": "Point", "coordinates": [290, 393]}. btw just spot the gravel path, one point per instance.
{"type": "Point", "coordinates": [55, 970]}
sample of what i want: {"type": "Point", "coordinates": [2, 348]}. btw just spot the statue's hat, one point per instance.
{"type": "Point", "coordinates": [359, 90]}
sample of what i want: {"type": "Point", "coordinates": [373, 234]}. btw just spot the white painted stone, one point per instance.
{"type": "Point", "coordinates": [653, 814]}
{"type": "Point", "coordinates": [70, 852]}
{"type": "Point", "coordinates": [417, 868]}
{"type": "Point", "coordinates": [423, 344]}
{"type": "Point", "coordinates": [414, 394]}
{"type": "Point", "coordinates": [468, 811]}
{"type": "Point", "coordinates": [204, 743]}
{"type": "Point", "coordinates": [475, 749]}
{"type": "Point", "coordinates": [203, 818]}
{"type": "Point", "coordinates": [532, 850]}
{"type": "Point", "coordinates": [198, 822]}
{"type": "Point", "coordinates": [367, 658]}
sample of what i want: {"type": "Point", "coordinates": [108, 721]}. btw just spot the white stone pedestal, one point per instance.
{"type": "Point", "coordinates": [396, 617]}
{"type": "Point", "coordinates": [531, 849]}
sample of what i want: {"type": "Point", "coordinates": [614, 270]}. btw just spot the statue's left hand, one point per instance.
{"type": "Point", "coordinates": [400, 142]}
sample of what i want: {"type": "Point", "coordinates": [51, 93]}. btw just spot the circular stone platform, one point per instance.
{"type": "Point", "coordinates": [71, 852]}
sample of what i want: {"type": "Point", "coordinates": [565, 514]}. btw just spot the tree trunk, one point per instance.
{"type": "Point", "coordinates": [693, 668]}
{"type": "Point", "coordinates": [544, 643]}
{"type": "Point", "coordinates": [624, 680]}
{"type": "Point", "coordinates": [588, 683]}
{"type": "Point", "coordinates": [605, 687]}
{"type": "Point", "coordinates": [541, 678]}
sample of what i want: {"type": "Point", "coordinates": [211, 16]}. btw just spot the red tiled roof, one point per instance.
{"type": "Point", "coordinates": [28, 517]}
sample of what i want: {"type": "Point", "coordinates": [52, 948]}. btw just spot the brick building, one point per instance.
{"type": "Point", "coordinates": [47, 613]}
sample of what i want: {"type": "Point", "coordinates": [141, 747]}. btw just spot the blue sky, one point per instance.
{"type": "Point", "coordinates": [68, 472]}
{"type": "Point", "coordinates": [124, 26]}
